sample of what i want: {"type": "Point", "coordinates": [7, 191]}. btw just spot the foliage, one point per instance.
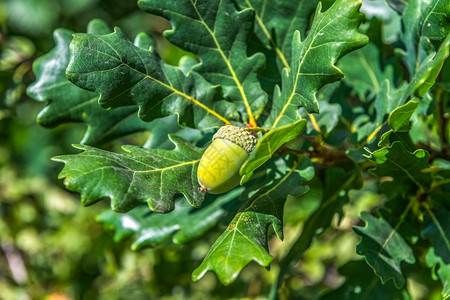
{"type": "Point", "coordinates": [353, 140]}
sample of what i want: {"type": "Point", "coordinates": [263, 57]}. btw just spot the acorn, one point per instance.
{"type": "Point", "coordinates": [218, 170]}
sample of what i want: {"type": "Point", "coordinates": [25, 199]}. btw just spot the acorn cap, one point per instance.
{"type": "Point", "coordinates": [238, 135]}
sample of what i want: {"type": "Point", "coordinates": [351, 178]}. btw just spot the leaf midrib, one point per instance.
{"type": "Point", "coordinates": [229, 66]}
{"type": "Point", "coordinates": [252, 203]}
{"type": "Point", "coordinates": [145, 75]}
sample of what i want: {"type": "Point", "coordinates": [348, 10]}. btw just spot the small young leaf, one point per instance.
{"type": "Point", "coordinates": [183, 225]}
{"type": "Point", "coordinates": [384, 248]}
{"type": "Point", "coordinates": [245, 239]}
{"type": "Point", "coordinates": [134, 177]}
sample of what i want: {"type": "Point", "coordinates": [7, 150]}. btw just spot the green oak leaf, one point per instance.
{"type": "Point", "coordinates": [391, 136]}
{"type": "Point", "coordinates": [306, 76]}
{"type": "Point", "coordinates": [360, 282]}
{"type": "Point", "coordinates": [426, 23]}
{"type": "Point", "coordinates": [277, 20]}
{"type": "Point", "coordinates": [399, 118]}
{"type": "Point", "coordinates": [137, 176]}
{"type": "Point", "coordinates": [245, 238]}
{"type": "Point", "coordinates": [268, 144]}
{"type": "Point", "coordinates": [363, 72]}
{"type": "Point", "coordinates": [69, 103]}
{"type": "Point", "coordinates": [124, 74]}
{"type": "Point", "coordinates": [333, 34]}
{"type": "Point", "coordinates": [441, 269]}
{"type": "Point", "coordinates": [428, 70]}
{"type": "Point", "coordinates": [401, 165]}
{"type": "Point", "coordinates": [384, 248]}
{"type": "Point", "coordinates": [217, 33]}
{"type": "Point", "coordinates": [437, 230]}
{"type": "Point", "coordinates": [182, 225]}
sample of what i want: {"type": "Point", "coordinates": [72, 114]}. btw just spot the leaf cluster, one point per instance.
{"type": "Point", "coordinates": [274, 67]}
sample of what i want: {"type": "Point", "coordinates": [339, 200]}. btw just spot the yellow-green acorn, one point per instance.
{"type": "Point", "coordinates": [218, 170]}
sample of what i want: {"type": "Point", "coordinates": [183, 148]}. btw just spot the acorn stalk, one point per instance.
{"type": "Point", "coordinates": [218, 170]}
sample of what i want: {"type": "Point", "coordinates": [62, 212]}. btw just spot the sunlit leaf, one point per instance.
{"type": "Point", "coordinates": [137, 176]}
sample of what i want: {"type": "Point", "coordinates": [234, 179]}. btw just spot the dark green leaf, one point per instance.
{"type": "Point", "coordinates": [183, 225]}
{"type": "Point", "coordinates": [384, 248]}
{"type": "Point", "coordinates": [437, 230]}
{"type": "Point", "coordinates": [277, 20]}
{"type": "Point", "coordinates": [332, 35]}
{"type": "Point", "coordinates": [402, 165]}
{"type": "Point", "coordinates": [441, 269]}
{"type": "Point", "coordinates": [217, 33]}
{"type": "Point", "coordinates": [137, 176]}
{"type": "Point", "coordinates": [360, 283]}
{"type": "Point", "coordinates": [245, 239]}
{"type": "Point", "coordinates": [69, 103]}
{"type": "Point", "coordinates": [124, 74]}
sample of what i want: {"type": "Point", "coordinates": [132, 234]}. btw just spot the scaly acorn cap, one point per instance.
{"type": "Point", "coordinates": [238, 135]}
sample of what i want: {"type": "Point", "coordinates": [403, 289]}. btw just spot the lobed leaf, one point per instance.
{"type": "Point", "coordinates": [441, 269]}
{"type": "Point", "coordinates": [217, 33]}
{"type": "Point", "coordinates": [384, 248]}
{"type": "Point", "coordinates": [333, 34]}
{"type": "Point", "coordinates": [359, 280]}
{"type": "Point", "coordinates": [277, 20]}
{"type": "Point", "coordinates": [69, 103]}
{"type": "Point", "coordinates": [245, 239]}
{"type": "Point", "coordinates": [401, 165]}
{"type": "Point", "coordinates": [137, 176]}
{"type": "Point", "coordinates": [124, 74]}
